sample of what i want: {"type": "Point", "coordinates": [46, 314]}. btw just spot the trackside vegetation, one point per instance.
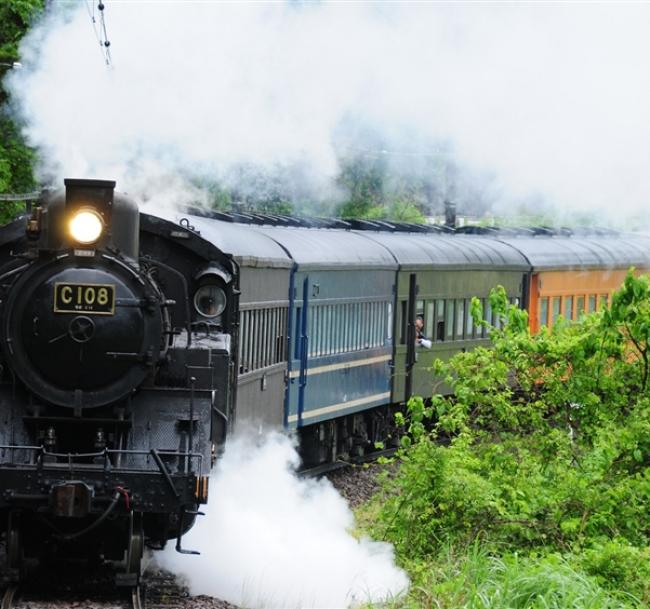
{"type": "Point", "coordinates": [529, 487]}
{"type": "Point", "coordinates": [16, 158]}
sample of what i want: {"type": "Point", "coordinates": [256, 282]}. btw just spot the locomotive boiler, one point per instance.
{"type": "Point", "coordinates": [118, 338]}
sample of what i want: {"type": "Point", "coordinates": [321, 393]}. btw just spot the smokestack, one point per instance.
{"type": "Point", "coordinates": [450, 214]}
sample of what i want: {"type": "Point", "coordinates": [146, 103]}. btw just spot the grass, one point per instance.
{"type": "Point", "coordinates": [475, 579]}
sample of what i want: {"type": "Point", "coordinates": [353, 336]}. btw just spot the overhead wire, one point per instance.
{"type": "Point", "coordinates": [101, 33]}
{"type": "Point", "coordinates": [106, 42]}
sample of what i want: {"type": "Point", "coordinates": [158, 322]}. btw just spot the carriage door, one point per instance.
{"type": "Point", "coordinates": [410, 337]}
{"type": "Point", "coordinates": [297, 360]}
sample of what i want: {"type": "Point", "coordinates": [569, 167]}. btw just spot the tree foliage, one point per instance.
{"type": "Point", "coordinates": [375, 194]}
{"type": "Point", "coordinates": [543, 448]}
{"type": "Point", "coordinates": [16, 158]}
{"type": "Point", "coordinates": [15, 18]}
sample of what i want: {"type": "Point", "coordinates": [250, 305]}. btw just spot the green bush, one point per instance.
{"type": "Point", "coordinates": [543, 449]}
{"type": "Point", "coordinates": [617, 564]}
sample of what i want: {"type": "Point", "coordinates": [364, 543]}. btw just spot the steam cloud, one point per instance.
{"type": "Point", "coordinates": [270, 540]}
{"type": "Point", "coordinates": [550, 99]}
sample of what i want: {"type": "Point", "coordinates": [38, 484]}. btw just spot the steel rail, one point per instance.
{"type": "Point", "coordinates": [8, 597]}
{"type": "Point", "coordinates": [136, 598]}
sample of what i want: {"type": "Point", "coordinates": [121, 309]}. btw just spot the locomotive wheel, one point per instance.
{"type": "Point", "coordinates": [135, 546]}
{"type": "Point", "coordinates": [14, 547]}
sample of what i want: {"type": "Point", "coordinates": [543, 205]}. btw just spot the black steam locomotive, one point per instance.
{"type": "Point", "coordinates": [118, 334]}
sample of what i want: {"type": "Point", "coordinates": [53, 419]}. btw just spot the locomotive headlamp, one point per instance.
{"type": "Point", "coordinates": [86, 226]}
{"type": "Point", "coordinates": [209, 301]}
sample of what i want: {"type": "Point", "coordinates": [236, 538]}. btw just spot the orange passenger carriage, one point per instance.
{"type": "Point", "coordinates": [572, 274]}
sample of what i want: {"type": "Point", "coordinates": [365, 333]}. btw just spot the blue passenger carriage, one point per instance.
{"type": "Point", "coordinates": [340, 350]}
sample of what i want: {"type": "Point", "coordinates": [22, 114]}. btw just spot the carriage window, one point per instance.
{"type": "Point", "coordinates": [347, 327]}
{"type": "Point", "coordinates": [358, 326]}
{"type": "Point", "coordinates": [481, 332]}
{"type": "Point", "coordinates": [325, 344]}
{"type": "Point", "coordinates": [430, 318]}
{"type": "Point", "coordinates": [543, 313]}
{"type": "Point", "coordinates": [402, 323]}
{"type": "Point", "coordinates": [449, 320]}
{"type": "Point", "coordinates": [440, 320]}
{"type": "Point", "coordinates": [243, 332]}
{"type": "Point", "coordinates": [460, 318]}
{"type": "Point", "coordinates": [568, 307]}
{"type": "Point", "coordinates": [312, 316]}
{"type": "Point", "coordinates": [592, 303]}
{"type": "Point", "coordinates": [487, 312]}
{"type": "Point", "coordinates": [389, 322]}
{"type": "Point", "coordinates": [469, 327]}
{"type": "Point", "coordinates": [556, 308]}
{"type": "Point", "coordinates": [604, 301]}
{"type": "Point", "coordinates": [336, 330]}
{"type": "Point", "coordinates": [580, 306]}
{"type": "Point", "coordinates": [366, 324]}
{"type": "Point", "coordinates": [296, 335]}
{"type": "Point", "coordinates": [262, 338]}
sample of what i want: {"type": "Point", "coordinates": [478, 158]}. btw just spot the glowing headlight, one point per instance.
{"type": "Point", "coordinates": [209, 301]}
{"type": "Point", "coordinates": [86, 226]}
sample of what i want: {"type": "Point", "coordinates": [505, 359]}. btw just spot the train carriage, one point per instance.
{"type": "Point", "coordinates": [265, 275]}
{"type": "Point", "coordinates": [438, 277]}
{"type": "Point", "coordinates": [575, 274]}
{"type": "Point", "coordinates": [340, 348]}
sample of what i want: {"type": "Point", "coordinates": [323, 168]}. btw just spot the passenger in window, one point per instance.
{"type": "Point", "coordinates": [420, 339]}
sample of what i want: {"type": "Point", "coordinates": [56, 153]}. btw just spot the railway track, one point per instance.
{"type": "Point", "coordinates": [11, 598]}
{"type": "Point", "coordinates": [326, 468]}
{"type": "Point", "coordinates": [8, 597]}
{"type": "Point", "coordinates": [136, 598]}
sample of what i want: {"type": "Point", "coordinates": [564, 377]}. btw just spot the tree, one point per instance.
{"type": "Point", "coordinates": [16, 158]}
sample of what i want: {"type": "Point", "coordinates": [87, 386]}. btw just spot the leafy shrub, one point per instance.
{"type": "Point", "coordinates": [544, 447]}
{"type": "Point", "coordinates": [617, 564]}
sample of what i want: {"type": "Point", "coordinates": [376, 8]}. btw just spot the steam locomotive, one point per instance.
{"type": "Point", "coordinates": [118, 337]}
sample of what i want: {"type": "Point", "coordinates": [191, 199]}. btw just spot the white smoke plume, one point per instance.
{"type": "Point", "coordinates": [271, 540]}
{"type": "Point", "coordinates": [550, 99]}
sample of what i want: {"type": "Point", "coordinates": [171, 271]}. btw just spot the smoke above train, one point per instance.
{"type": "Point", "coordinates": [535, 104]}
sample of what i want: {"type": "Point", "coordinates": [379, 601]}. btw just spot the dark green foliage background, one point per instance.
{"type": "Point", "coordinates": [16, 158]}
